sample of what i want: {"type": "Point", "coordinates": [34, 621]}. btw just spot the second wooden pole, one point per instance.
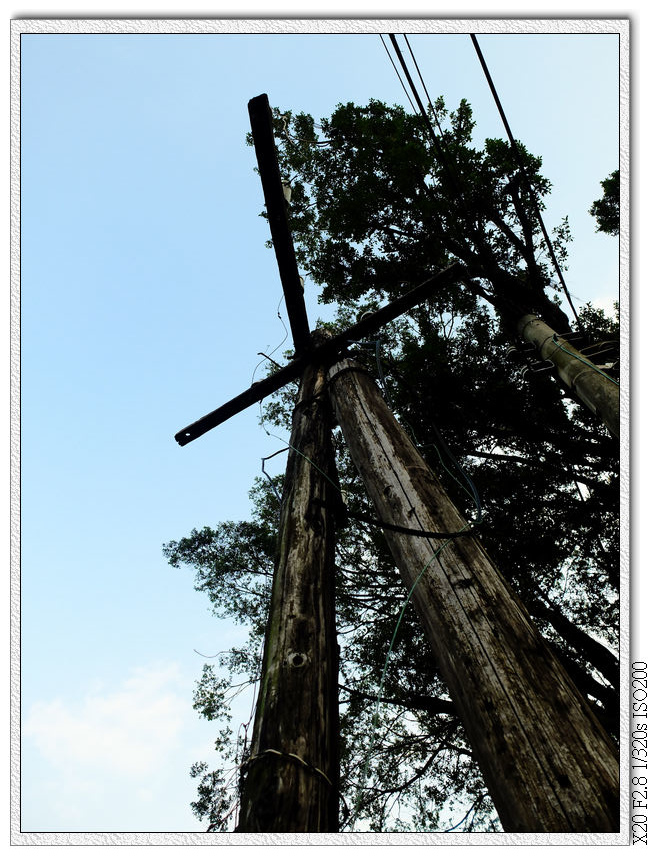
{"type": "Point", "coordinates": [547, 762]}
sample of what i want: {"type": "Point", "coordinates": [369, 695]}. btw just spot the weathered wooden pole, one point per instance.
{"type": "Point", "coordinates": [546, 761]}
{"type": "Point", "coordinates": [290, 782]}
{"type": "Point", "coordinates": [598, 392]}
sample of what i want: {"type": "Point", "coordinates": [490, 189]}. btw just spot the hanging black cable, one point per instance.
{"type": "Point", "coordinates": [439, 150]}
{"type": "Point", "coordinates": [524, 174]}
{"type": "Point", "coordinates": [397, 73]}
{"type": "Point", "coordinates": [431, 106]}
{"type": "Point", "coordinates": [502, 300]}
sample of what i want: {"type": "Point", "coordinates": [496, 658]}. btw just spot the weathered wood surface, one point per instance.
{"type": "Point", "coordinates": [291, 780]}
{"type": "Point", "coordinates": [599, 394]}
{"type": "Point", "coordinates": [547, 762]}
{"type": "Point", "coordinates": [261, 118]}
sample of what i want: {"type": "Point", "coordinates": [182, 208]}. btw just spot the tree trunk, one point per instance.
{"type": "Point", "coordinates": [593, 389]}
{"type": "Point", "coordinates": [547, 762]}
{"type": "Point", "coordinates": [290, 782]}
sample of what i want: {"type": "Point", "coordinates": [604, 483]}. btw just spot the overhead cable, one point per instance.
{"type": "Point", "coordinates": [431, 106]}
{"type": "Point", "coordinates": [434, 138]}
{"type": "Point", "coordinates": [397, 73]}
{"type": "Point", "coordinates": [520, 161]}
{"type": "Point", "coordinates": [513, 144]}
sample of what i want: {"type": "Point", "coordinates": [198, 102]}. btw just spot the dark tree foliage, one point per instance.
{"type": "Point", "coordinates": [373, 213]}
{"type": "Point", "coordinates": [607, 210]}
{"type": "Point", "coordinates": [378, 210]}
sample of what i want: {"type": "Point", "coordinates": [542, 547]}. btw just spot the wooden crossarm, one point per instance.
{"type": "Point", "coordinates": [330, 350]}
{"type": "Point", "coordinates": [261, 119]}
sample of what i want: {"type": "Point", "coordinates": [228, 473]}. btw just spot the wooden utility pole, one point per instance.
{"type": "Point", "coordinates": [290, 782]}
{"type": "Point", "coordinates": [547, 762]}
{"type": "Point", "coordinates": [598, 392]}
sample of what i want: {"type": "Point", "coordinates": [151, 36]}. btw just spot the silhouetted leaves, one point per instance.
{"type": "Point", "coordinates": [373, 213]}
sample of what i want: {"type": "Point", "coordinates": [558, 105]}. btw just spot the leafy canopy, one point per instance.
{"type": "Point", "coordinates": [607, 210]}
{"type": "Point", "coordinates": [373, 212]}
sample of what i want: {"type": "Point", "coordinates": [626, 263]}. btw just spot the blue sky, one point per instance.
{"type": "Point", "coordinates": [147, 293]}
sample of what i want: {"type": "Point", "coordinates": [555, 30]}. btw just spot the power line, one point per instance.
{"type": "Point", "coordinates": [397, 73]}
{"type": "Point", "coordinates": [442, 158]}
{"type": "Point", "coordinates": [520, 161]}
{"type": "Point", "coordinates": [454, 182]}
{"type": "Point", "coordinates": [439, 149]}
{"type": "Point", "coordinates": [431, 106]}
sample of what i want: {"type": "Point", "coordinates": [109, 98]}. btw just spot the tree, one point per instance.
{"type": "Point", "coordinates": [379, 209]}
{"type": "Point", "coordinates": [385, 205]}
{"type": "Point", "coordinates": [546, 472]}
{"type": "Point", "coordinates": [607, 210]}
{"type": "Point", "coordinates": [420, 759]}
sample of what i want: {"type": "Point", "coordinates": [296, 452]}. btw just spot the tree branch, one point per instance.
{"type": "Point", "coordinates": [591, 650]}
{"type": "Point", "coordinates": [408, 701]}
{"type": "Point", "coordinates": [588, 482]}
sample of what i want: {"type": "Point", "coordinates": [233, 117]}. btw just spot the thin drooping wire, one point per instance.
{"type": "Point", "coordinates": [434, 138]}
{"type": "Point", "coordinates": [515, 150]}
{"type": "Point", "coordinates": [376, 344]}
{"type": "Point", "coordinates": [268, 476]}
{"type": "Point", "coordinates": [324, 143]}
{"type": "Point", "coordinates": [472, 492]}
{"type": "Point", "coordinates": [430, 103]}
{"type": "Point", "coordinates": [583, 360]}
{"type": "Point", "coordinates": [473, 807]}
{"type": "Point", "coordinates": [225, 652]}
{"type": "Point", "coordinates": [397, 73]}
{"type": "Point", "coordinates": [279, 346]}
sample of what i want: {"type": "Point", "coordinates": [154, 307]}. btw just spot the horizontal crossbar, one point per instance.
{"type": "Point", "coordinates": [327, 351]}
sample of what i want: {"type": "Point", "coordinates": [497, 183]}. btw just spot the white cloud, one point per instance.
{"type": "Point", "coordinates": [113, 759]}
{"type": "Point", "coordinates": [606, 303]}
{"type": "Point", "coordinates": [126, 731]}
